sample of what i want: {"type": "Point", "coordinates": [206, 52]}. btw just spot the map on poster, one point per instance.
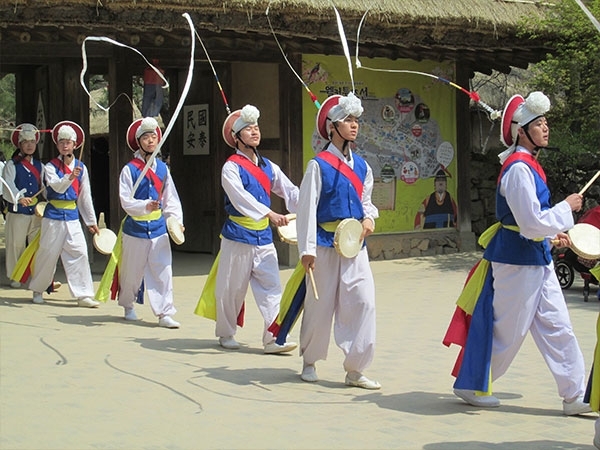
{"type": "Point", "coordinates": [407, 134]}
{"type": "Point", "coordinates": [400, 133]}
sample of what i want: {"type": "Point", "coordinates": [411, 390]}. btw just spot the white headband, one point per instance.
{"type": "Point", "coordinates": [28, 133]}
{"type": "Point", "coordinates": [67, 132]}
{"type": "Point", "coordinates": [347, 106]}
{"type": "Point", "coordinates": [148, 125]}
{"type": "Point", "coordinates": [248, 116]}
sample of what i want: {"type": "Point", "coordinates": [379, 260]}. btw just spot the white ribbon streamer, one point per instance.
{"type": "Point", "coordinates": [85, 65]}
{"type": "Point", "coordinates": [588, 14]}
{"type": "Point", "coordinates": [344, 44]}
{"type": "Point", "coordinates": [184, 93]}
{"type": "Point", "coordinates": [14, 199]}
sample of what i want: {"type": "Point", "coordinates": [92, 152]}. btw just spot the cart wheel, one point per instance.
{"type": "Point", "coordinates": [565, 274]}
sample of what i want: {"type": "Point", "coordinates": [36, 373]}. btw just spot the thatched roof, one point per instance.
{"type": "Point", "coordinates": [481, 32]}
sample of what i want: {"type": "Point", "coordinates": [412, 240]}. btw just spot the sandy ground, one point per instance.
{"type": "Point", "coordinates": [76, 378]}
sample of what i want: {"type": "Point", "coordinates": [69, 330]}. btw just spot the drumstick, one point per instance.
{"type": "Point", "coordinates": [312, 282]}
{"type": "Point", "coordinates": [585, 188]}
{"type": "Point", "coordinates": [589, 183]}
{"type": "Point", "coordinates": [39, 192]}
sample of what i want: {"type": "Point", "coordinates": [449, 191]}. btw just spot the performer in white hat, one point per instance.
{"type": "Point", "coordinates": [69, 196]}
{"type": "Point", "coordinates": [23, 175]}
{"type": "Point", "coordinates": [247, 254]}
{"type": "Point", "coordinates": [337, 185]}
{"type": "Point", "coordinates": [525, 295]}
{"type": "Point", "coordinates": [146, 257]}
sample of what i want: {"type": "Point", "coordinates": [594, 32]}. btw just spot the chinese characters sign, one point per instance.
{"type": "Point", "coordinates": [196, 135]}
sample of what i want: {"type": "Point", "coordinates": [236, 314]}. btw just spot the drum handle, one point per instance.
{"type": "Point", "coordinates": [312, 282]}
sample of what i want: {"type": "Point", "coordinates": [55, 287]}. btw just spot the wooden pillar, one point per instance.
{"type": "Point", "coordinates": [293, 117]}
{"type": "Point", "coordinates": [25, 101]}
{"type": "Point", "coordinates": [54, 101]}
{"type": "Point", "coordinates": [463, 152]}
{"type": "Point", "coordinates": [120, 117]}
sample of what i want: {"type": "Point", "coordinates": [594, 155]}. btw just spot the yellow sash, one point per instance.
{"type": "Point", "coordinates": [249, 223]}
{"type": "Point", "coordinates": [27, 256]}
{"type": "Point", "coordinates": [64, 204]}
{"type": "Point", "coordinates": [103, 293]}
{"type": "Point", "coordinates": [154, 215]}
{"type": "Point", "coordinates": [330, 226]}
{"type": "Point", "coordinates": [207, 303]}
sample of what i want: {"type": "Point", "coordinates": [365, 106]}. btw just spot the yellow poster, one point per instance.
{"type": "Point", "coordinates": [407, 135]}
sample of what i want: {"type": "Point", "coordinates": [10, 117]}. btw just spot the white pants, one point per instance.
{"type": "Point", "coordinates": [529, 298]}
{"type": "Point", "coordinates": [20, 229]}
{"type": "Point", "coordinates": [64, 239]}
{"type": "Point", "coordinates": [149, 260]}
{"type": "Point", "coordinates": [239, 265]}
{"type": "Point", "coordinates": [347, 293]}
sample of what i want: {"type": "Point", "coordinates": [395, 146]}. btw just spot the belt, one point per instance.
{"type": "Point", "coordinates": [249, 223]}
{"type": "Point", "coordinates": [154, 215]}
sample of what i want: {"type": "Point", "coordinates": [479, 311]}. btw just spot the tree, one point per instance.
{"type": "Point", "coordinates": [570, 76]}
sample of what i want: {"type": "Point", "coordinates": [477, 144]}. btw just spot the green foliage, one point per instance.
{"type": "Point", "coordinates": [570, 76]}
{"type": "Point", "coordinates": [7, 96]}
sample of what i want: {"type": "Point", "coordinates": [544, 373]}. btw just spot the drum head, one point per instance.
{"type": "Point", "coordinates": [39, 209]}
{"type": "Point", "coordinates": [347, 239]}
{"type": "Point", "coordinates": [175, 231]}
{"type": "Point", "coordinates": [105, 241]}
{"type": "Point", "coordinates": [586, 240]}
{"type": "Point", "coordinates": [287, 233]}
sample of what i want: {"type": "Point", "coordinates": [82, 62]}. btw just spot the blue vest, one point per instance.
{"type": "Point", "coordinates": [510, 247]}
{"type": "Point", "coordinates": [339, 199]}
{"type": "Point", "coordinates": [146, 229]}
{"type": "Point", "coordinates": [51, 211]}
{"type": "Point", "coordinates": [238, 233]}
{"type": "Point", "coordinates": [24, 179]}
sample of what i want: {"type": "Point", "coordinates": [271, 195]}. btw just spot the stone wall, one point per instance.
{"type": "Point", "coordinates": [414, 243]}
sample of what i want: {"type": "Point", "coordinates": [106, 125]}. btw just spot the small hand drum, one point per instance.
{"type": "Point", "coordinates": [39, 209]}
{"type": "Point", "coordinates": [346, 240]}
{"type": "Point", "coordinates": [175, 231]}
{"type": "Point", "coordinates": [105, 241]}
{"type": "Point", "coordinates": [585, 240]}
{"type": "Point", "coordinates": [287, 233]}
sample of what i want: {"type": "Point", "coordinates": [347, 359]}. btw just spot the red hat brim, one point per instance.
{"type": "Point", "coordinates": [507, 116]}
{"type": "Point", "coordinates": [14, 136]}
{"type": "Point", "coordinates": [228, 125]}
{"type": "Point", "coordinates": [132, 141]}
{"type": "Point", "coordinates": [78, 132]}
{"type": "Point", "coordinates": [326, 106]}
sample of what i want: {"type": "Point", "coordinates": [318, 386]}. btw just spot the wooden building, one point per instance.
{"type": "Point", "coordinates": [41, 43]}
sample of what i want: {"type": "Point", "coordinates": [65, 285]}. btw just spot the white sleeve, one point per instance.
{"type": "Point", "coordinates": [84, 199]}
{"type": "Point", "coordinates": [370, 210]}
{"type": "Point", "coordinates": [57, 184]}
{"type": "Point", "coordinates": [8, 175]}
{"type": "Point", "coordinates": [306, 219]}
{"type": "Point", "coordinates": [518, 186]}
{"type": "Point", "coordinates": [132, 206]}
{"type": "Point", "coordinates": [284, 188]}
{"type": "Point", "coordinates": [240, 198]}
{"type": "Point", "coordinates": [171, 204]}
